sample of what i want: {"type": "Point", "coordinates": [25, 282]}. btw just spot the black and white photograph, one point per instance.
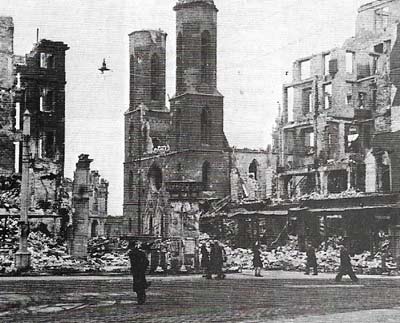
{"type": "Point", "coordinates": [200, 161]}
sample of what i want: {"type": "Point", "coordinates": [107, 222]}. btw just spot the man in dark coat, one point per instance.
{"type": "Point", "coordinates": [217, 259]}
{"type": "Point", "coordinates": [345, 266]}
{"type": "Point", "coordinates": [205, 261]}
{"type": "Point", "coordinates": [139, 264]}
{"type": "Point", "coordinates": [311, 260]}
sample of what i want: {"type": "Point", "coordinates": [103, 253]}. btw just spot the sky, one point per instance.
{"type": "Point", "coordinates": [257, 42]}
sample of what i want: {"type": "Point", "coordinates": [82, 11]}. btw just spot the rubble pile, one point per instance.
{"type": "Point", "coordinates": [345, 194]}
{"type": "Point", "coordinates": [289, 258]}
{"type": "Point", "coordinates": [109, 254]}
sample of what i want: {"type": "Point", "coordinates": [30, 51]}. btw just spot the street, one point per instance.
{"type": "Point", "coordinates": [276, 297]}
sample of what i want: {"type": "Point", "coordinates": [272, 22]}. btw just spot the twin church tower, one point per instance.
{"type": "Point", "coordinates": [179, 153]}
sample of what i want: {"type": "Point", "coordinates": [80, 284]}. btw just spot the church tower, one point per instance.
{"type": "Point", "coordinates": [147, 69]}
{"type": "Point", "coordinates": [197, 106]}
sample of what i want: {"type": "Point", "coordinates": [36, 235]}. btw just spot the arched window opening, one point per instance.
{"type": "Point", "coordinates": [205, 56]}
{"type": "Point", "coordinates": [253, 169]}
{"type": "Point", "coordinates": [206, 175]}
{"type": "Point", "coordinates": [205, 126]}
{"type": "Point", "coordinates": [93, 232]}
{"type": "Point", "coordinates": [130, 185]}
{"type": "Point", "coordinates": [155, 71]}
{"type": "Point", "coordinates": [178, 126]}
{"type": "Point", "coordinates": [384, 171]}
{"type": "Point", "coordinates": [179, 63]}
{"type": "Point", "coordinates": [155, 178]}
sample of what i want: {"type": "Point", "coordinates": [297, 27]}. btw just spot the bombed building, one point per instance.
{"type": "Point", "coordinates": [34, 82]}
{"type": "Point", "coordinates": [332, 139]}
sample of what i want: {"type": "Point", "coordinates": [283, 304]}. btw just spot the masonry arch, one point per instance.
{"type": "Point", "coordinates": [253, 169]}
{"type": "Point", "coordinates": [94, 228]}
{"type": "Point", "coordinates": [155, 177]}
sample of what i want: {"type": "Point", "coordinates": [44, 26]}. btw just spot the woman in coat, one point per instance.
{"type": "Point", "coordinates": [257, 263]}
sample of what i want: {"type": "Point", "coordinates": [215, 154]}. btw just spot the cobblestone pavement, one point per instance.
{"type": "Point", "coordinates": [276, 297]}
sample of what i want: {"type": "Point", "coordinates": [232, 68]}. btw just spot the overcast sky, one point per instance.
{"type": "Point", "coordinates": [257, 42]}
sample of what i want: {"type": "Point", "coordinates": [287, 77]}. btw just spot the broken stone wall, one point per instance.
{"type": "Point", "coordinates": [245, 163]}
{"type": "Point", "coordinates": [7, 109]}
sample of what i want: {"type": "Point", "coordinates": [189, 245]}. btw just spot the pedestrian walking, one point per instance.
{"type": "Point", "coordinates": [345, 266]}
{"type": "Point", "coordinates": [217, 259]}
{"type": "Point", "coordinates": [311, 260]}
{"type": "Point", "coordinates": [205, 261]}
{"type": "Point", "coordinates": [257, 263]}
{"type": "Point", "coordinates": [139, 265]}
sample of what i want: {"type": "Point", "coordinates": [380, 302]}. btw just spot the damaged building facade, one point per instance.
{"type": "Point", "coordinates": [178, 163]}
{"type": "Point", "coordinates": [34, 82]}
{"type": "Point", "coordinates": [330, 137]}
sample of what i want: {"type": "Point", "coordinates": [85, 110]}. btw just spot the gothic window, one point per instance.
{"type": "Point", "coordinates": [206, 175]}
{"type": "Point", "coordinates": [205, 56]}
{"type": "Point", "coordinates": [205, 126]}
{"type": "Point", "coordinates": [93, 230]}
{"type": "Point", "coordinates": [179, 62]}
{"type": "Point", "coordinates": [155, 178]}
{"type": "Point", "coordinates": [155, 77]}
{"type": "Point", "coordinates": [253, 169]}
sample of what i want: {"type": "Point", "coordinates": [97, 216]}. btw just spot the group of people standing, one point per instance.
{"type": "Point", "coordinates": [212, 260]}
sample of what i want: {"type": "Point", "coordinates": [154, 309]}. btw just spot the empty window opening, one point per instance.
{"type": "Point", "coordinates": [253, 168]}
{"type": "Point", "coordinates": [307, 101]}
{"type": "Point", "coordinates": [349, 99]}
{"type": "Point", "coordinates": [305, 69]}
{"type": "Point", "coordinates": [155, 178]}
{"type": "Point", "coordinates": [205, 175]}
{"type": "Point", "coordinates": [327, 58]}
{"type": "Point", "coordinates": [362, 96]}
{"type": "Point", "coordinates": [155, 77]}
{"type": "Point", "coordinates": [49, 144]}
{"type": "Point", "coordinates": [381, 18]}
{"type": "Point", "coordinates": [290, 103]}
{"type": "Point", "coordinates": [46, 60]}
{"type": "Point", "coordinates": [327, 96]}
{"type": "Point", "coordinates": [179, 62]}
{"type": "Point", "coordinates": [349, 62]}
{"type": "Point", "coordinates": [206, 53]}
{"type": "Point", "coordinates": [205, 126]}
{"type": "Point", "coordinates": [94, 228]}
